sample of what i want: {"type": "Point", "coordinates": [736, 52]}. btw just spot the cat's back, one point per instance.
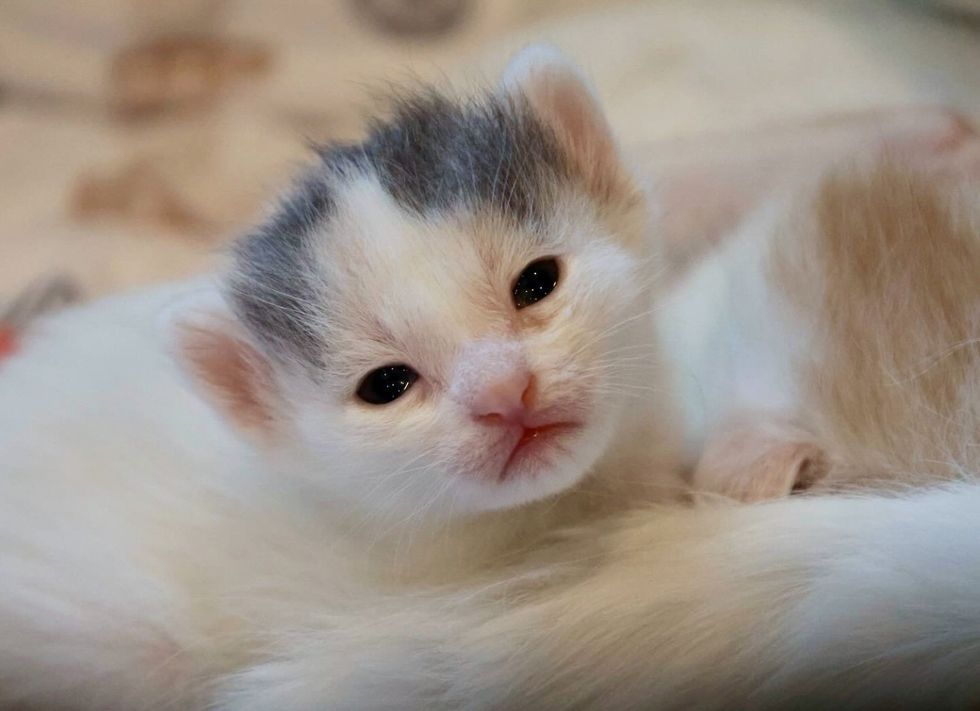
{"type": "Point", "coordinates": [94, 386]}
{"type": "Point", "coordinates": [848, 307]}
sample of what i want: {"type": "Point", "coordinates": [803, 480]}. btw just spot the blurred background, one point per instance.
{"type": "Point", "coordinates": [137, 135]}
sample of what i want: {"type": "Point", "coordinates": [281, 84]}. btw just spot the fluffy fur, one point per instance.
{"type": "Point", "coordinates": [799, 603]}
{"type": "Point", "coordinates": [851, 602]}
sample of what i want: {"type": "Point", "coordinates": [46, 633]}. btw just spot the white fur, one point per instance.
{"type": "Point", "coordinates": [731, 341]}
{"type": "Point", "coordinates": [103, 453]}
{"type": "Point", "coordinates": [803, 603]}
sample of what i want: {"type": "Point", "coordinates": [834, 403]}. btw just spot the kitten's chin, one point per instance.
{"type": "Point", "coordinates": [485, 496]}
{"type": "Point", "coordinates": [541, 465]}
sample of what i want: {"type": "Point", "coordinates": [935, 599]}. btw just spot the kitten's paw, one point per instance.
{"type": "Point", "coordinates": [938, 142]}
{"type": "Point", "coordinates": [755, 457]}
{"type": "Point", "coordinates": [959, 164]}
{"type": "Point", "coordinates": [925, 131]}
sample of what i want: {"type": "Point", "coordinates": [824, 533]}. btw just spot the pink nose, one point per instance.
{"type": "Point", "coordinates": [506, 398]}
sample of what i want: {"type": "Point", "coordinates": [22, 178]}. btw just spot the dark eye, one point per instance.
{"type": "Point", "coordinates": [386, 384]}
{"type": "Point", "coordinates": [538, 279]}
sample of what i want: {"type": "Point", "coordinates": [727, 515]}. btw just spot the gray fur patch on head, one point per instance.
{"type": "Point", "coordinates": [489, 153]}
{"type": "Point", "coordinates": [272, 287]}
{"type": "Point", "coordinates": [432, 155]}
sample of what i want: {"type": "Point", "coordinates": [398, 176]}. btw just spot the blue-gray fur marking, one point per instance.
{"type": "Point", "coordinates": [431, 155]}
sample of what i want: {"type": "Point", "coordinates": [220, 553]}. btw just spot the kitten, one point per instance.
{"type": "Point", "coordinates": [464, 294]}
{"type": "Point", "coordinates": [438, 348]}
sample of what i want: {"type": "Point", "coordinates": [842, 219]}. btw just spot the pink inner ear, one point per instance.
{"type": "Point", "coordinates": [562, 101]}
{"type": "Point", "coordinates": [580, 118]}
{"type": "Point", "coordinates": [233, 375]}
{"type": "Point", "coordinates": [758, 460]}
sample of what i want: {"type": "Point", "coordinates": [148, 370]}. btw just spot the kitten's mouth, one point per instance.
{"type": "Point", "coordinates": [533, 441]}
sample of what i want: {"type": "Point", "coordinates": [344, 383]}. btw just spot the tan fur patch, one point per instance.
{"type": "Point", "coordinates": [891, 281]}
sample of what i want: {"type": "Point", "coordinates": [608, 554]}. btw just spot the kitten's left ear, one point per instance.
{"type": "Point", "coordinates": [562, 99]}
{"type": "Point", "coordinates": [227, 369]}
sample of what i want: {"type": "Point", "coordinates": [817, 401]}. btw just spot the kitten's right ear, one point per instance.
{"type": "Point", "coordinates": [562, 99]}
{"type": "Point", "coordinates": [231, 373]}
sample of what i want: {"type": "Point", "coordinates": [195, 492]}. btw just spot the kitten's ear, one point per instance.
{"type": "Point", "coordinates": [561, 98]}
{"type": "Point", "coordinates": [214, 350]}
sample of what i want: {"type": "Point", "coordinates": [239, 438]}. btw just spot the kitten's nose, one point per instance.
{"type": "Point", "coordinates": [506, 398]}
{"type": "Point", "coordinates": [493, 380]}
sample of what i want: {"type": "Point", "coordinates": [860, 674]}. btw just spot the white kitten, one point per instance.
{"type": "Point", "coordinates": [438, 348]}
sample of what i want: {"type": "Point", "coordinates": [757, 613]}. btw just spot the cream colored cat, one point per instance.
{"type": "Point", "coordinates": [831, 340]}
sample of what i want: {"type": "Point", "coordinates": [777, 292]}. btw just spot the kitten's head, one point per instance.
{"type": "Point", "coordinates": [440, 317]}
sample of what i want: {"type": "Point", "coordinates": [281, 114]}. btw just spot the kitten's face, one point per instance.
{"type": "Point", "coordinates": [449, 317]}
{"type": "Point", "coordinates": [457, 379]}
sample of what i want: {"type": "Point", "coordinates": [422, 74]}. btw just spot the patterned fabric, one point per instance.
{"type": "Point", "coordinates": [138, 135]}
{"type": "Point", "coordinates": [44, 296]}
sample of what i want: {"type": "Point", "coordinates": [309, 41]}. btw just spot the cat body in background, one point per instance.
{"type": "Point", "coordinates": [809, 346]}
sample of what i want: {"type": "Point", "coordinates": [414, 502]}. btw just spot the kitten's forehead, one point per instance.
{"type": "Point", "coordinates": [396, 278]}
{"type": "Point", "coordinates": [370, 228]}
